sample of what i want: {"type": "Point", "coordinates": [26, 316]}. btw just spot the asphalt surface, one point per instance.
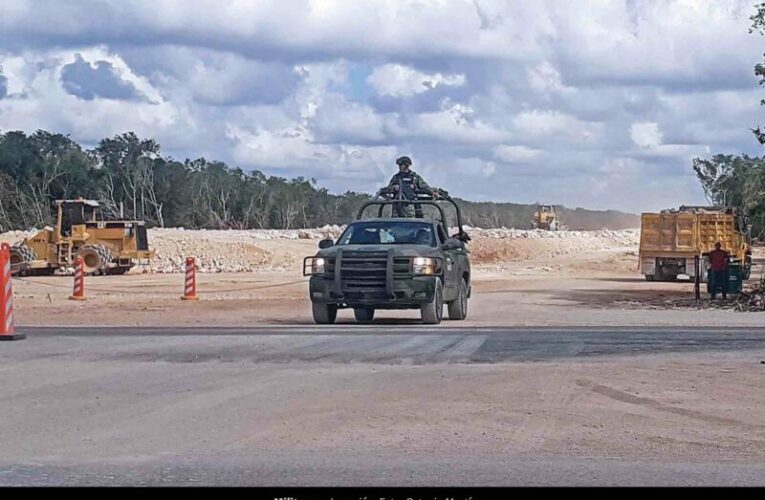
{"type": "Point", "coordinates": [382, 470]}
{"type": "Point", "coordinates": [153, 383]}
{"type": "Point", "coordinates": [390, 344]}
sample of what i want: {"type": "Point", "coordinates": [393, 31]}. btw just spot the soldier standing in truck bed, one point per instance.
{"type": "Point", "coordinates": [407, 184]}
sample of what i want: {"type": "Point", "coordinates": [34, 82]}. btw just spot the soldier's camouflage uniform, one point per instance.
{"type": "Point", "coordinates": [409, 184]}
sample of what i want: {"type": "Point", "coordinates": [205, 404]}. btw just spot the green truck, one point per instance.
{"type": "Point", "coordinates": [386, 262]}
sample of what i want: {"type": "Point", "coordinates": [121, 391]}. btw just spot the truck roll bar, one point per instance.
{"type": "Point", "coordinates": [383, 199]}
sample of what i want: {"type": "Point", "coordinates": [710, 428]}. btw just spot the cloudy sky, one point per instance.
{"type": "Point", "coordinates": [600, 104]}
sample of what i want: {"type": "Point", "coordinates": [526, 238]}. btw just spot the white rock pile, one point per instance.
{"type": "Point", "coordinates": [260, 249]}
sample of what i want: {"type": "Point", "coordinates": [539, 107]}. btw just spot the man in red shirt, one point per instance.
{"type": "Point", "coordinates": [718, 262]}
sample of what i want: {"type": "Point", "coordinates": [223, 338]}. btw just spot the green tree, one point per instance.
{"type": "Point", "coordinates": [758, 25]}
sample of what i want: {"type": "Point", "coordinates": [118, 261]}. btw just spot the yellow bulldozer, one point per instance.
{"type": "Point", "coordinates": [545, 218]}
{"type": "Point", "coordinates": [105, 246]}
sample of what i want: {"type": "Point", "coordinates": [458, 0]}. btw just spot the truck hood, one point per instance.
{"type": "Point", "coordinates": [398, 250]}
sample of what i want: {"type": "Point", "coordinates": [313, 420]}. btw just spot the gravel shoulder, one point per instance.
{"type": "Point", "coordinates": [600, 287]}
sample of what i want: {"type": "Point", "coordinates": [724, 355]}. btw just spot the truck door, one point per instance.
{"type": "Point", "coordinates": [451, 267]}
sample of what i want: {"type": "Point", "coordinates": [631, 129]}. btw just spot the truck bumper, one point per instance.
{"type": "Point", "coordinates": [407, 294]}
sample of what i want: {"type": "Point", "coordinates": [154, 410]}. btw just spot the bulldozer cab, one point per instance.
{"type": "Point", "coordinates": [545, 212]}
{"type": "Point", "coordinates": [74, 213]}
{"type": "Point", "coordinates": [545, 218]}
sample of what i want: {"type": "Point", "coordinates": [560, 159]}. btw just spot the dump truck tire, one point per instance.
{"type": "Point", "coordinates": [458, 307]}
{"type": "Point", "coordinates": [93, 258]}
{"type": "Point", "coordinates": [364, 314]}
{"type": "Point", "coordinates": [324, 314]}
{"type": "Point", "coordinates": [106, 258]}
{"type": "Point", "coordinates": [433, 312]}
{"type": "Point", "coordinates": [22, 254]}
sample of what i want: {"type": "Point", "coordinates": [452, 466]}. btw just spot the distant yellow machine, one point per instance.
{"type": "Point", "coordinates": [670, 240]}
{"type": "Point", "coordinates": [545, 218]}
{"type": "Point", "coordinates": [106, 247]}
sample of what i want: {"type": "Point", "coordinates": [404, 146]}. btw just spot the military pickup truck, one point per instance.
{"type": "Point", "coordinates": [386, 262]}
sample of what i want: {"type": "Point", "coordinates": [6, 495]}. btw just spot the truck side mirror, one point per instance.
{"type": "Point", "coordinates": [461, 236]}
{"type": "Point", "coordinates": [326, 244]}
{"type": "Point", "coordinates": [452, 244]}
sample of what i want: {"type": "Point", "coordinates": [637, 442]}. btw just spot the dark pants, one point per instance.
{"type": "Point", "coordinates": [718, 279]}
{"type": "Point", "coordinates": [407, 210]}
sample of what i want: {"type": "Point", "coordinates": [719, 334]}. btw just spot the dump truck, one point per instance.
{"type": "Point", "coordinates": [385, 262]}
{"type": "Point", "coordinates": [105, 246]}
{"type": "Point", "coordinates": [670, 241]}
{"type": "Point", "coordinates": [545, 218]}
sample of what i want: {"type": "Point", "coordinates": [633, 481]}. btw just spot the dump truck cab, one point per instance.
{"type": "Point", "coordinates": [385, 262]}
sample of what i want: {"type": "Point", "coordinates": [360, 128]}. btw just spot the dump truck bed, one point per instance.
{"type": "Point", "coordinates": [683, 235]}
{"type": "Point", "coordinates": [688, 234]}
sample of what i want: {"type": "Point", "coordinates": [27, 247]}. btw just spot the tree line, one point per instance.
{"type": "Point", "coordinates": [738, 181]}
{"type": "Point", "coordinates": [132, 180]}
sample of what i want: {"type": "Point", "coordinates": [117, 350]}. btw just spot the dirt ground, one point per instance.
{"type": "Point", "coordinates": [599, 287]}
{"type": "Point", "coordinates": [115, 414]}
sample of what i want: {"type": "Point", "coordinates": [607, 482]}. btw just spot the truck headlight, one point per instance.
{"type": "Point", "coordinates": [424, 265]}
{"type": "Point", "coordinates": [314, 265]}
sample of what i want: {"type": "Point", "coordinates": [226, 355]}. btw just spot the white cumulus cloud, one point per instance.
{"type": "Point", "coordinates": [548, 99]}
{"type": "Point", "coordinates": [397, 80]}
{"type": "Point", "coordinates": [646, 134]}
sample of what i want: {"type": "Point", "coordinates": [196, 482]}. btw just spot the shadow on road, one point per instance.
{"type": "Point", "coordinates": [414, 320]}
{"type": "Point", "coordinates": [632, 280]}
{"type": "Point", "coordinates": [632, 299]}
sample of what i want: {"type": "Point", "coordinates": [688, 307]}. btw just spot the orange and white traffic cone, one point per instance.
{"type": "Point", "coordinates": [190, 290]}
{"type": "Point", "coordinates": [79, 280]}
{"type": "Point", "coordinates": [7, 328]}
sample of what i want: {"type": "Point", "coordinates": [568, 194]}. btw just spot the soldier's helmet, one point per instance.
{"type": "Point", "coordinates": [404, 160]}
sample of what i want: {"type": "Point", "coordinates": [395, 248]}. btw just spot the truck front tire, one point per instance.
{"type": "Point", "coordinates": [458, 307]}
{"type": "Point", "coordinates": [324, 314]}
{"type": "Point", "coordinates": [432, 312]}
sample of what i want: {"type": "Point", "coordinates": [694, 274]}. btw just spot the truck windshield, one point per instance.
{"type": "Point", "coordinates": [387, 233]}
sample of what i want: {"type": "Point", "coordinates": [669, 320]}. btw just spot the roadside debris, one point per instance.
{"type": "Point", "coordinates": [752, 300]}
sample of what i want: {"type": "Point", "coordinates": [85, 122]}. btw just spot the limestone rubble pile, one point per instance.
{"type": "Point", "coordinates": [510, 245]}
{"type": "Point", "coordinates": [278, 249]}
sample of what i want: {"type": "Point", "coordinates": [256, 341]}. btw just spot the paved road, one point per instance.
{"type": "Point", "coordinates": [387, 470]}
{"type": "Point", "coordinates": [388, 344]}
{"type": "Point", "coordinates": [254, 406]}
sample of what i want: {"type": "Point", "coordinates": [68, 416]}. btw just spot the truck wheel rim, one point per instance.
{"type": "Point", "coordinates": [92, 261]}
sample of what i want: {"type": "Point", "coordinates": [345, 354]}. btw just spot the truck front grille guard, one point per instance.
{"type": "Point", "coordinates": [341, 283]}
{"type": "Point", "coordinates": [338, 273]}
{"type": "Point", "coordinates": [389, 275]}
